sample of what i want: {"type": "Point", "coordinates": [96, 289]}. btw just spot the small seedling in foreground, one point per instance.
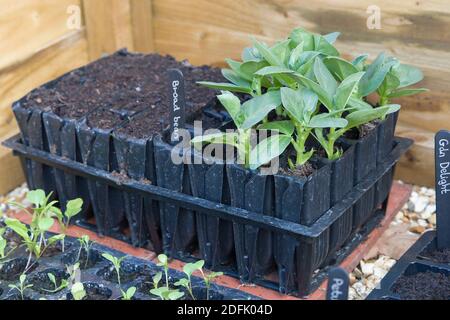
{"type": "Point", "coordinates": [164, 262]}
{"type": "Point", "coordinates": [208, 278]}
{"type": "Point", "coordinates": [117, 265]}
{"type": "Point", "coordinates": [85, 244]}
{"type": "Point", "coordinates": [166, 293]}
{"type": "Point", "coordinates": [21, 287]}
{"type": "Point", "coordinates": [64, 283]}
{"type": "Point", "coordinates": [189, 269]}
{"type": "Point", "coordinates": [129, 294]}
{"type": "Point", "coordinates": [78, 292]}
{"type": "Point", "coordinates": [73, 207]}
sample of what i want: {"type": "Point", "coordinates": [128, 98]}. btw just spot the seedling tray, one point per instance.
{"type": "Point", "coordinates": [414, 261]}
{"type": "Point", "coordinates": [98, 276]}
{"type": "Point", "coordinates": [312, 243]}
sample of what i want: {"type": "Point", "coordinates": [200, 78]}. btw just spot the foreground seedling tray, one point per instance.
{"type": "Point", "coordinates": [98, 276]}
{"type": "Point", "coordinates": [417, 260]}
{"type": "Point", "coordinates": [309, 238]}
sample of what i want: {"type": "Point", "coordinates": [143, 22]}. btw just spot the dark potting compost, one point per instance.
{"type": "Point", "coordinates": [422, 273]}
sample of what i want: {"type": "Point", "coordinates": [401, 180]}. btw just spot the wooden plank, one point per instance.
{"type": "Point", "coordinates": [417, 165]}
{"type": "Point", "coordinates": [142, 25]}
{"type": "Point", "coordinates": [108, 25]}
{"type": "Point", "coordinates": [29, 25]}
{"type": "Point", "coordinates": [60, 57]}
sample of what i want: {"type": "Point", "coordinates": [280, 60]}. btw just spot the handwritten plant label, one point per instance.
{"type": "Point", "coordinates": [338, 282]}
{"type": "Point", "coordinates": [177, 104]}
{"type": "Point", "coordinates": [442, 160]}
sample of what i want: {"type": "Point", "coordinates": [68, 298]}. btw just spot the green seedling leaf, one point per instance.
{"type": "Point", "coordinates": [175, 295]}
{"type": "Point", "coordinates": [19, 228]}
{"type": "Point", "coordinates": [251, 67]}
{"type": "Point", "coordinates": [73, 207]}
{"type": "Point", "coordinates": [3, 244]}
{"type": "Point", "coordinates": [267, 54]}
{"type": "Point", "coordinates": [56, 238]}
{"type": "Point", "coordinates": [281, 50]}
{"type": "Point", "coordinates": [406, 92]}
{"type": "Point", "coordinates": [326, 120]}
{"type": "Point", "coordinates": [408, 75]}
{"type": "Point", "coordinates": [357, 118]}
{"type": "Point", "coordinates": [230, 138]}
{"type": "Point", "coordinates": [225, 86]}
{"type": "Point", "coordinates": [340, 68]}
{"type": "Point", "coordinates": [332, 37]}
{"type": "Point", "coordinates": [286, 127]}
{"type": "Point", "coordinates": [257, 108]}
{"type": "Point", "coordinates": [358, 62]}
{"type": "Point", "coordinates": [250, 54]}
{"type": "Point", "coordinates": [52, 278]}
{"type": "Point", "coordinates": [78, 291]}
{"type": "Point", "coordinates": [268, 149]}
{"type": "Point", "coordinates": [358, 104]}
{"type": "Point", "coordinates": [273, 70]}
{"type": "Point", "coordinates": [236, 67]}
{"type": "Point", "coordinates": [345, 90]}
{"type": "Point", "coordinates": [299, 103]}
{"type": "Point", "coordinates": [325, 78]}
{"type": "Point", "coordinates": [163, 260]}
{"type": "Point", "coordinates": [375, 74]}
{"type": "Point", "coordinates": [233, 105]}
{"type": "Point", "coordinates": [182, 283]}
{"type": "Point", "coordinates": [301, 35]}
{"type": "Point", "coordinates": [324, 97]}
{"type": "Point", "coordinates": [324, 47]}
{"type": "Point", "coordinates": [45, 224]}
{"type": "Point", "coordinates": [156, 279]}
{"type": "Point", "coordinates": [294, 59]}
{"type": "Point", "coordinates": [36, 197]}
{"type": "Point", "coordinates": [234, 78]}
{"type": "Point", "coordinates": [190, 268]}
{"type": "Point", "coordinates": [130, 293]}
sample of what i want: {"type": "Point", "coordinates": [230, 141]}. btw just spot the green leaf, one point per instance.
{"type": "Point", "coordinates": [157, 278]}
{"type": "Point", "coordinates": [3, 244]}
{"type": "Point", "coordinates": [251, 67]}
{"type": "Point", "coordinates": [256, 109]}
{"type": "Point", "coordinates": [325, 120]}
{"type": "Point", "coordinates": [182, 283]}
{"type": "Point", "coordinates": [358, 104]}
{"type": "Point", "coordinates": [18, 227]}
{"type": "Point", "coordinates": [324, 47]}
{"type": "Point", "coordinates": [130, 292]}
{"type": "Point", "coordinates": [299, 103]}
{"type": "Point", "coordinates": [52, 278]}
{"type": "Point", "coordinates": [233, 106]}
{"type": "Point", "coordinates": [267, 54]}
{"type": "Point", "coordinates": [175, 295]}
{"type": "Point", "coordinates": [273, 70]}
{"type": "Point", "coordinates": [230, 138]}
{"type": "Point", "coordinates": [56, 238]}
{"type": "Point", "coordinates": [190, 268]}
{"type": "Point", "coordinates": [250, 54]}
{"type": "Point", "coordinates": [36, 197]}
{"type": "Point", "coordinates": [225, 86]}
{"type": "Point", "coordinates": [358, 118]}
{"type": "Point", "coordinates": [321, 93]}
{"type": "Point", "coordinates": [286, 127]}
{"type": "Point", "coordinates": [358, 62]}
{"type": "Point", "coordinates": [78, 291]}
{"type": "Point", "coordinates": [73, 207]}
{"type": "Point", "coordinates": [324, 77]}
{"type": "Point", "coordinates": [236, 67]}
{"type": "Point", "coordinates": [294, 60]}
{"type": "Point", "coordinates": [234, 78]}
{"type": "Point", "coordinates": [162, 258]}
{"type": "Point", "coordinates": [345, 90]}
{"type": "Point", "coordinates": [268, 149]}
{"type": "Point", "coordinates": [45, 224]}
{"type": "Point", "coordinates": [300, 35]}
{"type": "Point", "coordinates": [340, 68]}
{"type": "Point", "coordinates": [332, 37]}
{"type": "Point", "coordinates": [281, 50]}
{"type": "Point", "coordinates": [375, 74]}
{"type": "Point", "coordinates": [408, 75]}
{"type": "Point", "coordinates": [406, 92]}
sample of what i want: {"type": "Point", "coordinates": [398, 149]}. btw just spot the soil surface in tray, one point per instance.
{"type": "Point", "coordinates": [119, 86]}
{"type": "Point", "coordinates": [423, 286]}
{"type": "Point", "coordinates": [439, 256]}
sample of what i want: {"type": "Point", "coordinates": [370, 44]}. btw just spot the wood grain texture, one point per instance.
{"type": "Point", "coordinates": [108, 25]}
{"type": "Point", "coordinates": [142, 25]}
{"type": "Point", "coordinates": [417, 32]}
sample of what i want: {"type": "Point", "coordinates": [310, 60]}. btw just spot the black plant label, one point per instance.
{"type": "Point", "coordinates": [442, 160]}
{"type": "Point", "coordinates": [177, 104]}
{"type": "Point", "coordinates": [338, 282]}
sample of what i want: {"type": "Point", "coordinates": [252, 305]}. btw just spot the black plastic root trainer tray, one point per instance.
{"type": "Point", "coordinates": [310, 251]}
{"type": "Point", "coordinates": [98, 276]}
{"type": "Point", "coordinates": [417, 260]}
